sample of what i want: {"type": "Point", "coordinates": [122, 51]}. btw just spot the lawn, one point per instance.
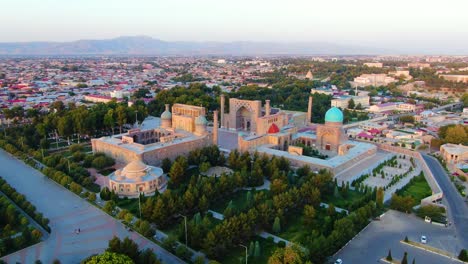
{"type": "Point", "coordinates": [237, 255]}
{"type": "Point", "coordinates": [295, 230]}
{"type": "Point", "coordinates": [418, 188]}
{"type": "Point", "coordinates": [107, 171]}
{"type": "Point", "coordinates": [129, 204]}
{"type": "Point", "coordinates": [343, 202]}
{"type": "Point", "coordinates": [239, 199]}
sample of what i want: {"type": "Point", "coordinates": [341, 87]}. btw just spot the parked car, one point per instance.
{"type": "Point", "coordinates": [423, 239]}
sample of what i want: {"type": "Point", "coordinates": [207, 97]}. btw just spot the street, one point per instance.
{"type": "Point", "coordinates": [457, 207]}
{"type": "Point", "coordinates": [66, 212]}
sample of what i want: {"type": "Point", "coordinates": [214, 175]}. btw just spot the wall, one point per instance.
{"type": "Point", "coordinates": [436, 190]}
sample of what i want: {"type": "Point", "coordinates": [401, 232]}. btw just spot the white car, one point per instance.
{"type": "Point", "coordinates": [423, 239]}
{"type": "Point", "coordinates": [338, 261]}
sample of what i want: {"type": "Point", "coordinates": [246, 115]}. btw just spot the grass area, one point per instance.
{"type": "Point", "coordinates": [429, 248]}
{"type": "Point", "coordinates": [93, 188]}
{"type": "Point", "coordinates": [418, 188]}
{"type": "Point", "coordinates": [106, 171]}
{"type": "Point", "coordinates": [237, 255]}
{"type": "Point", "coordinates": [343, 202]}
{"type": "Point", "coordinates": [294, 229]}
{"type": "Point", "coordinates": [129, 204]}
{"type": "Point", "coordinates": [239, 200]}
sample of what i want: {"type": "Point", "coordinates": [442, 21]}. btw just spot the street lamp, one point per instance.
{"type": "Point", "coordinates": [246, 255]}
{"type": "Point", "coordinates": [185, 220]}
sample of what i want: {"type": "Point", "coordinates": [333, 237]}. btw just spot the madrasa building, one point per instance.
{"type": "Point", "coordinates": [181, 130]}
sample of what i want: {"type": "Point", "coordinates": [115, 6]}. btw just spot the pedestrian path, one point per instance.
{"type": "Point", "coordinates": [66, 212]}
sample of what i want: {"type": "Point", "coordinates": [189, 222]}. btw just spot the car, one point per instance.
{"type": "Point", "coordinates": [338, 261]}
{"type": "Point", "coordinates": [423, 239]}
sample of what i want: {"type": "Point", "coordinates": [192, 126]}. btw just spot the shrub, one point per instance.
{"type": "Point", "coordinates": [463, 256]}
{"type": "Point", "coordinates": [281, 244]}
{"type": "Point", "coordinates": [389, 256]}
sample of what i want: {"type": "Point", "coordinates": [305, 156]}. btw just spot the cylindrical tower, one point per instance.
{"type": "Point", "coordinates": [267, 108]}
{"type": "Point", "coordinates": [309, 111]}
{"type": "Point", "coordinates": [222, 103]}
{"type": "Point", "coordinates": [166, 118]}
{"type": "Point", "coordinates": [215, 127]}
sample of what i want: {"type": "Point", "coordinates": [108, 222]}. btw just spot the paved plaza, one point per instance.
{"type": "Point", "coordinates": [373, 243]}
{"type": "Point", "coordinates": [66, 212]}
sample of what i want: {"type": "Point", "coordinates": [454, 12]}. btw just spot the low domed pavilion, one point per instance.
{"type": "Point", "coordinates": [136, 178]}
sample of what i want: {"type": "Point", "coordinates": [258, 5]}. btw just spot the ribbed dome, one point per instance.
{"type": "Point", "coordinates": [166, 115]}
{"type": "Point", "coordinates": [334, 114]}
{"type": "Point", "coordinates": [134, 169]}
{"type": "Point", "coordinates": [201, 120]}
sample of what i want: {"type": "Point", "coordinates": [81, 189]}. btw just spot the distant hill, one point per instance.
{"type": "Point", "coordinates": [142, 45]}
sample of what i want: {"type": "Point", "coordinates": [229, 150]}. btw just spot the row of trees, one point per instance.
{"type": "Point", "coordinates": [20, 200]}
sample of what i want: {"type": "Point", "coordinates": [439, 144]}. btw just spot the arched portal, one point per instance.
{"type": "Point", "coordinates": [243, 119]}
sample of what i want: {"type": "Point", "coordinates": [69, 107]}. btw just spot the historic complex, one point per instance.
{"type": "Point", "coordinates": [180, 131]}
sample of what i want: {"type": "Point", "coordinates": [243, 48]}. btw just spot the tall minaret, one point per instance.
{"type": "Point", "coordinates": [222, 109]}
{"type": "Point", "coordinates": [267, 108]}
{"type": "Point", "coordinates": [309, 111]}
{"type": "Point", "coordinates": [215, 127]}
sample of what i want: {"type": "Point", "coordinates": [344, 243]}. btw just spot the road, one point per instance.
{"type": "Point", "coordinates": [373, 243]}
{"type": "Point", "coordinates": [66, 212]}
{"type": "Point", "coordinates": [457, 207]}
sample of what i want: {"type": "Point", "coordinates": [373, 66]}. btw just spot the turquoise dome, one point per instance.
{"type": "Point", "coordinates": [166, 115]}
{"type": "Point", "coordinates": [201, 120]}
{"type": "Point", "coordinates": [334, 114]}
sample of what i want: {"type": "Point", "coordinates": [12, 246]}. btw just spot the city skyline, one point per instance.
{"type": "Point", "coordinates": [424, 27]}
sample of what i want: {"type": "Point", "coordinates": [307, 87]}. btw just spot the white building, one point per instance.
{"type": "Point", "coordinates": [374, 64]}
{"type": "Point", "coordinates": [373, 79]}
{"type": "Point", "coordinates": [343, 101]}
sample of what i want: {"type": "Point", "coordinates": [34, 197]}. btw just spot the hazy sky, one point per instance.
{"type": "Point", "coordinates": [412, 24]}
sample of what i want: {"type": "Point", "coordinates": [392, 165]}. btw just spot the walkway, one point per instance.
{"type": "Point", "coordinates": [265, 186]}
{"type": "Point", "coordinates": [337, 209]}
{"type": "Point", "coordinates": [276, 239]}
{"type": "Point", "coordinates": [66, 212]}
{"type": "Point", "coordinates": [216, 215]}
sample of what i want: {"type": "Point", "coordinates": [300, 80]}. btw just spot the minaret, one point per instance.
{"type": "Point", "coordinates": [309, 111]}
{"type": "Point", "coordinates": [215, 127]}
{"type": "Point", "coordinates": [267, 107]}
{"type": "Point", "coordinates": [222, 110]}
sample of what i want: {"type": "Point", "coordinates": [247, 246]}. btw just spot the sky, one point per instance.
{"type": "Point", "coordinates": [397, 24]}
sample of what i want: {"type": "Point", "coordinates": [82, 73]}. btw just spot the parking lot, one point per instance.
{"type": "Point", "coordinates": [373, 243]}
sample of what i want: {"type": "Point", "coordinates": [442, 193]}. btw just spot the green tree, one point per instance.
{"type": "Point", "coordinates": [288, 255]}
{"type": "Point", "coordinates": [121, 113]}
{"type": "Point", "coordinates": [389, 256]}
{"type": "Point", "coordinates": [463, 256]}
{"type": "Point", "coordinates": [257, 249]}
{"type": "Point", "coordinates": [309, 215]}
{"type": "Point", "coordinates": [251, 248]}
{"type": "Point", "coordinates": [176, 173]}
{"type": "Point", "coordinates": [380, 197]}
{"type": "Point", "coordinates": [110, 258]}
{"type": "Point", "coordinates": [405, 258]}
{"type": "Point", "coordinates": [276, 226]}
{"type": "Point", "coordinates": [109, 120]}
{"type": "Point", "coordinates": [351, 104]}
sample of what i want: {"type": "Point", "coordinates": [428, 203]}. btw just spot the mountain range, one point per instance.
{"type": "Point", "coordinates": [143, 45]}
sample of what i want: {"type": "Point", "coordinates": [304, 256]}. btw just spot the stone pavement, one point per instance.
{"type": "Point", "coordinates": [66, 212]}
{"type": "Point", "coordinates": [365, 166]}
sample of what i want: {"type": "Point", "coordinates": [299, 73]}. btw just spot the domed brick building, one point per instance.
{"type": "Point", "coordinates": [331, 134]}
{"type": "Point", "coordinates": [136, 178]}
